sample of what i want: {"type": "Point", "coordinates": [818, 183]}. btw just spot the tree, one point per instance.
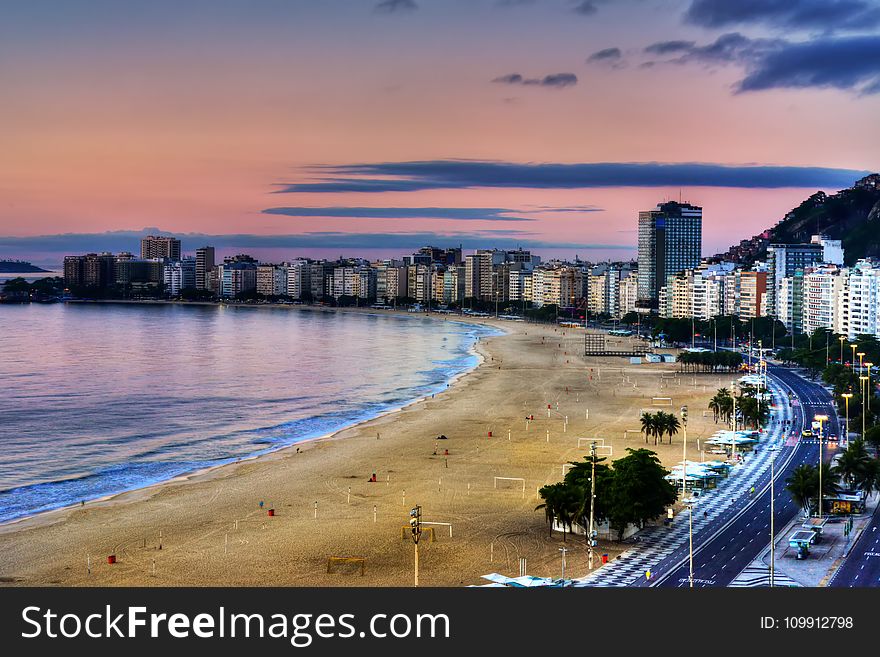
{"type": "Point", "coordinates": [561, 504]}
{"type": "Point", "coordinates": [872, 436]}
{"type": "Point", "coordinates": [801, 485]}
{"type": "Point", "coordinates": [579, 476]}
{"type": "Point", "coordinates": [639, 491]}
{"type": "Point", "coordinates": [649, 426]}
{"type": "Point", "coordinates": [668, 423]}
{"type": "Point", "coordinates": [852, 463]}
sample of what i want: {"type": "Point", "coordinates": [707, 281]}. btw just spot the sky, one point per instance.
{"type": "Point", "coordinates": [371, 127]}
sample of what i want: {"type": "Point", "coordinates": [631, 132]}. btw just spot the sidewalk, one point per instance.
{"type": "Point", "coordinates": [818, 568]}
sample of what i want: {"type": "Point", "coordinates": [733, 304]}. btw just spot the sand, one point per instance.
{"type": "Point", "coordinates": [209, 529]}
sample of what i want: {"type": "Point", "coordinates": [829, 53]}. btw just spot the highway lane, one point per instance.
{"type": "Point", "coordinates": [862, 566]}
{"type": "Point", "coordinates": [722, 552]}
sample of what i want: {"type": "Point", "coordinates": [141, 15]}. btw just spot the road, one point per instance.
{"type": "Point", "coordinates": [724, 550]}
{"type": "Point", "coordinates": [862, 566]}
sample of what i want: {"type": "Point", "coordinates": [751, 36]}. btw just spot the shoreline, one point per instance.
{"type": "Point", "coordinates": [204, 472]}
{"type": "Point", "coordinates": [209, 530]}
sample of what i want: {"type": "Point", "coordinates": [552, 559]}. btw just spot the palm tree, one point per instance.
{"type": "Point", "coordinates": [852, 462]}
{"type": "Point", "coordinates": [869, 479]}
{"type": "Point", "coordinates": [715, 405]}
{"type": "Point", "coordinates": [669, 424]}
{"type": "Point", "coordinates": [802, 485]}
{"type": "Point", "coordinates": [649, 426]}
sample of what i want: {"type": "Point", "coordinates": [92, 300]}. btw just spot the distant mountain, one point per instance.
{"type": "Point", "coordinates": [19, 267]}
{"type": "Point", "coordinates": [852, 216]}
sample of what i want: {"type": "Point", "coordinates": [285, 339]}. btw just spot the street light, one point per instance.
{"type": "Point", "coordinates": [689, 503]}
{"type": "Point", "coordinates": [563, 550]}
{"type": "Point", "coordinates": [592, 537]}
{"type": "Point", "coordinates": [821, 419]}
{"type": "Point", "coordinates": [847, 396]}
{"type": "Point", "coordinates": [853, 360]}
{"type": "Point", "coordinates": [684, 424]}
{"type": "Point", "coordinates": [415, 523]}
{"type": "Point", "coordinates": [868, 384]}
{"type": "Point", "coordinates": [863, 387]}
{"type": "Point", "coordinates": [842, 339]}
{"type": "Point", "coordinates": [773, 451]}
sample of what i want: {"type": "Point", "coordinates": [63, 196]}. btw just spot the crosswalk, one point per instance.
{"type": "Point", "coordinates": [759, 576]}
{"type": "Point", "coordinates": [657, 543]}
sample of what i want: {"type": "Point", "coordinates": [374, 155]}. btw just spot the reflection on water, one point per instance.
{"type": "Point", "coordinates": [103, 398]}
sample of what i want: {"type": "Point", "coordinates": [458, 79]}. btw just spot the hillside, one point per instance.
{"type": "Point", "coordinates": [19, 267]}
{"type": "Point", "coordinates": [852, 215]}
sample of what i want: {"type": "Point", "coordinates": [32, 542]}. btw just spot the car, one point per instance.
{"type": "Point", "coordinates": [807, 433]}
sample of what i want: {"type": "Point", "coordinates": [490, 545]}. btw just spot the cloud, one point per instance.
{"type": "Point", "coordinates": [821, 15]}
{"type": "Point", "coordinates": [846, 63]}
{"type": "Point", "coordinates": [851, 63]}
{"type": "Point", "coordinates": [606, 55]}
{"type": "Point", "coordinates": [465, 174]}
{"type": "Point", "coordinates": [456, 214]}
{"type": "Point", "coordinates": [391, 6]}
{"type": "Point", "coordinates": [53, 247]}
{"type": "Point", "coordinates": [669, 47]}
{"type": "Point", "coordinates": [731, 48]}
{"type": "Point", "coordinates": [585, 8]}
{"type": "Point", "coordinates": [558, 80]}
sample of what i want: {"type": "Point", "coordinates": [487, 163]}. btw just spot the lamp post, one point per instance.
{"type": "Point", "coordinates": [773, 451]}
{"type": "Point", "coordinates": [868, 383]}
{"type": "Point", "coordinates": [842, 339]}
{"type": "Point", "coordinates": [853, 360]}
{"type": "Point", "coordinates": [733, 418]}
{"type": "Point", "coordinates": [821, 419]}
{"type": "Point", "coordinates": [592, 538]}
{"type": "Point", "coordinates": [689, 503]}
{"type": "Point", "coordinates": [846, 397]}
{"type": "Point", "coordinates": [684, 442]}
{"type": "Point", "coordinates": [563, 550]}
{"type": "Point", "coordinates": [415, 523]}
{"type": "Point", "coordinates": [863, 380]}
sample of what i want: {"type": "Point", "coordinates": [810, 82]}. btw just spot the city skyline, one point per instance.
{"type": "Point", "coordinates": [373, 128]}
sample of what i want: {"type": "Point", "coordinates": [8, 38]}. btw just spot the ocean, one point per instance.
{"type": "Point", "coordinates": [100, 399]}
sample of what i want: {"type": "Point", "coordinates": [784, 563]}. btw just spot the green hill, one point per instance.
{"type": "Point", "coordinates": [851, 215]}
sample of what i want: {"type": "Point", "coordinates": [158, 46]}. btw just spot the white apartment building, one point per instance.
{"type": "Point", "coordinates": [822, 290]}
{"type": "Point", "coordinates": [272, 280]}
{"type": "Point", "coordinates": [299, 279]}
{"type": "Point", "coordinates": [861, 310]}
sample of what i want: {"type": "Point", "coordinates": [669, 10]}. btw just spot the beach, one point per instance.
{"type": "Point", "coordinates": [215, 528]}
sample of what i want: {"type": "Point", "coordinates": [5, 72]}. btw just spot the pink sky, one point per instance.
{"type": "Point", "coordinates": [187, 120]}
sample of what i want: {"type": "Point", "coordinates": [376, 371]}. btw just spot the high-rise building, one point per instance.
{"type": "Point", "coordinates": [271, 280]}
{"type": "Point", "coordinates": [160, 246]}
{"type": "Point", "coordinates": [783, 260]}
{"type": "Point", "coordinates": [863, 300]}
{"type": "Point", "coordinates": [670, 241]}
{"type": "Point", "coordinates": [823, 289]}
{"type": "Point", "coordinates": [204, 265]}
{"type": "Point", "coordinates": [236, 277]}
{"type": "Point", "coordinates": [91, 270]}
{"type": "Point", "coordinates": [751, 286]}
{"type": "Point", "coordinates": [179, 275]}
{"type": "Point", "coordinates": [478, 275]}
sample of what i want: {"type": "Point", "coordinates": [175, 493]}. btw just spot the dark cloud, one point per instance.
{"type": "Point", "coordinates": [558, 80]}
{"type": "Point", "coordinates": [840, 63]}
{"type": "Point", "coordinates": [731, 48]}
{"type": "Point", "coordinates": [52, 248]}
{"type": "Point", "coordinates": [669, 47]}
{"type": "Point", "coordinates": [819, 15]}
{"type": "Point", "coordinates": [462, 174]}
{"type": "Point", "coordinates": [457, 214]}
{"type": "Point", "coordinates": [606, 55]}
{"type": "Point", "coordinates": [391, 6]}
{"type": "Point", "coordinates": [585, 8]}
{"type": "Point", "coordinates": [846, 63]}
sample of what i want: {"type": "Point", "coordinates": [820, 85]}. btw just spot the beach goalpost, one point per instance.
{"type": "Point", "coordinates": [440, 524]}
{"type": "Point", "coordinates": [519, 479]}
{"type": "Point", "coordinates": [338, 561]}
{"type": "Point", "coordinates": [661, 401]}
{"type": "Point", "coordinates": [604, 450]}
{"type": "Point", "coordinates": [598, 441]}
{"type": "Point", "coordinates": [626, 432]}
{"type": "Point", "coordinates": [406, 532]}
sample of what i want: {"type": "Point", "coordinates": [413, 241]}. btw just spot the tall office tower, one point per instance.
{"type": "Point", "coordinates": [204, 265]}
{"type": "Point", "coordinates": [160, 246]}
{"type": "Point", "coordinates": [670, 241]}
{"type": "Point", "coordinates": [478, 275]}
{"type": "Point", "coordinates": [783, 260]}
